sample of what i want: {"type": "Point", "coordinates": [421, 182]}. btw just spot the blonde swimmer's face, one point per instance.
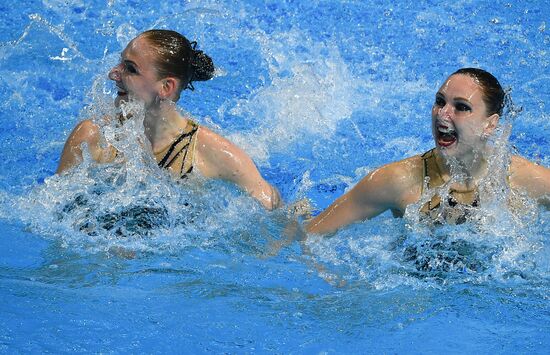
{"type": "Point", "coordinates": [135, 76]}
{"type": "Point", "coordinates": [460, 123]}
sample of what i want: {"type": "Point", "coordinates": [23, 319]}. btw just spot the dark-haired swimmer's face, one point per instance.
{"type": "Point", "coordinates": [135, 76]}
{"type": "Point", "coordinates": [460, 124]}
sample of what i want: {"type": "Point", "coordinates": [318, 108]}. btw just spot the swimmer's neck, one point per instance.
{"type": "Point", "coordinates": [472, 168]}
{"type": "Point", "coordinates": [162, 125]}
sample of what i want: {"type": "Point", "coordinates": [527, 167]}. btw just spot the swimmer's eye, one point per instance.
{"type": "Point", "coordinates": [130, 68]}
{"type": "Point", "coordinates": [463, 107]}
{"type": "Point", "coordinates": [439, 101]}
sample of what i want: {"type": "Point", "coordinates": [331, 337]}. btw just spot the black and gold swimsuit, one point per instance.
{"type": "Point", "coordinates": [455, 209]}
{"type": "Point", "coordinates": [178, 157]}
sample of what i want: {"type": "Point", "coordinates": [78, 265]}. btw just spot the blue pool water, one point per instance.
{"type": "Point", "coordinates": [318, 93]}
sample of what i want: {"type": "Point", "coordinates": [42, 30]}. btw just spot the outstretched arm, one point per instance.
{"type": "Point", "coordinates": [85, 132]}
{"type": "Point", "coordinates": [392, 186]}
{"type": "Point", "coordinates": [217, 157]}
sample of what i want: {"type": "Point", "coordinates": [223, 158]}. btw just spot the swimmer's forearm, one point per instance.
{"type": "Point", "coordinates": [319, 226]}
{"type": "Point", "coordinates": [328, 221]}
{"type": "Point", "coordinates": [346, 210]}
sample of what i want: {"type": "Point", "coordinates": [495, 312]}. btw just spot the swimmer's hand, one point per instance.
{"type": "Point", "coordinates": [293, 230]}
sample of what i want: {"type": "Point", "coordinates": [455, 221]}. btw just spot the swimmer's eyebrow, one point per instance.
{"type": "Point", "coordinates": [128, 61]}
{"type": "Point", "coordinates": [461, 99]}
{"type": "Point", "coordinates": [439, 93]}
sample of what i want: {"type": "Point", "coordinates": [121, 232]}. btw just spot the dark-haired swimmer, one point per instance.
{"type": "Point", "coordinates": [465, 113]}
{"type": "Point", "coordinates": [155, 67]}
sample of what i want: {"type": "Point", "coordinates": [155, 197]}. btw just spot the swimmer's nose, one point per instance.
{"type": "Point", "coordinates": [446, 111]}
{"type": "Point", "coordinates": [114, 74]}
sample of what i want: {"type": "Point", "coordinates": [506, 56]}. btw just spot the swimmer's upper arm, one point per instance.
{"type": "Point", "coordinates": [85, 132]}
{"type": "Point", "coordinates": [531, 177]}
{"type": "Point", "coordinates": [217, 157]}
{"type": "Point", "coordinates": [374, 194]}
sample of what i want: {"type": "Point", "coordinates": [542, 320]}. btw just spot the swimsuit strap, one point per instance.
{"type": "Point", "coordinates": [184, 147]}
{"type": "Point", "coordinates": [431, 171]}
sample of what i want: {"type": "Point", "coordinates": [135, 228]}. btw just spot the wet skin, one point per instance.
{"type": "Point", "coordinates": [136, 79]}
{"type": "Point", "coordinates": [460, 128]}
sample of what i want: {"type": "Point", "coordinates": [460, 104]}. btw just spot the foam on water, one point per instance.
{"type": "Point", "coordinates": [502, 240]}
{"type": "Point", "coordinates": [131, 207]}
{"type": "Point", "coordinates": [307, 92]}
{"type": "Point", "coordinates": [319, 93]}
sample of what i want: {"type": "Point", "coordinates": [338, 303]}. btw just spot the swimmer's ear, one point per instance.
{"type": "Point", "coordinates": [492, 123]}
{"type": "Point", "coordinates": [169, 88]}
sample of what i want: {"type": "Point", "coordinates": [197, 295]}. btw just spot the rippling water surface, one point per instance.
{"type": "Point", "coordinates": [120, 258]}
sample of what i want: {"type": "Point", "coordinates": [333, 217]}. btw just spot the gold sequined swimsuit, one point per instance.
{"type": "Point", "coordinates": [178, 157]}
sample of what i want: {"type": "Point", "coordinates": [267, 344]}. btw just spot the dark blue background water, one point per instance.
{"type": "Point", "coordinates": [318, 93]}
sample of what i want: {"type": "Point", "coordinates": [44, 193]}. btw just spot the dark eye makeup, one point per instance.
{"type": "Point", "coordinates": [462, 107]}
{"type": "Point", "coordinates": [439, 101]}
{"type": "Point", "coordinates": [459, 106]}
{"type": "Point", "coordinates": [130, 68]}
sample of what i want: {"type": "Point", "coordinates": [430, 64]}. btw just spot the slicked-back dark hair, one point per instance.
{"type": "Point", "coordinates": [493, 94]}
{"type": "Point", "coordinates": [177, 57]}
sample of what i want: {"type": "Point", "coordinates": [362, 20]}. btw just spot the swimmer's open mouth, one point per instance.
{"type": "Point", "coordinates": [445, 136]}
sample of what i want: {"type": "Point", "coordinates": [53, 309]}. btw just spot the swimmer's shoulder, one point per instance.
{"type": "Point", "coordinates": [217, 156]}
{"type": "Point", "coordinates": [400, 181]}
{"type": "Point", "coordinates": [89, 132]}
{"type": "Point", "coordinates": [529, 176]}
{"type": "Point", "coordinates": [522, 169]}
{"type": "Point", "coordinates": [402, 175]}
{"type": "Point", "coordinates": [208, 147]}
{"type": "Point", "coordinates": [407, 179]}
{"type": "Point", "coordinates": [85, 132]}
